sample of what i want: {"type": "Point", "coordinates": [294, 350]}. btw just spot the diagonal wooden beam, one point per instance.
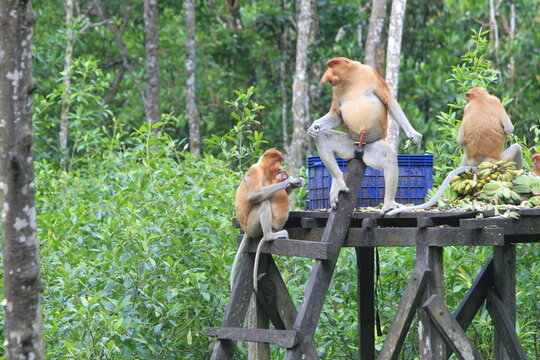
{"type": "Point", "coordinates": [236, 308]}
{"type": "Point", "coordinates": [321, 274]}
{"type": "Point", "coordinates": [473, 300]}
{"type": "Point", "coordinates": [450, 330]}
{"type": "Point", "coordinates": [408, 305]}
{"type": "Point", "coordinates": [504, 324]}
{"type": "Point", "coordinates": [273, 297]}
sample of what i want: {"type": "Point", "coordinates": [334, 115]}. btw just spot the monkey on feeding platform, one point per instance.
{"type": "Point", "coordinates": [262, 204]}
{"type": "Point", "coordinates": [482, 132]}
{"type": "Point", "coordinates": [361, 100]}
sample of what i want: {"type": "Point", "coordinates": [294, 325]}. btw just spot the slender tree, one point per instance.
{"type": "Point", "coordinates": [373, 40]}
{"type": "Point", "coordinates": [191, 104]}
{"type": "Point", "coordinates": [283, 41]}
{"type": "Point", "coordinates": [393, 52]}
{"type": "Point", "coordinates": [67, 83]}
{"type": "Point", "coordinates": [153, 114]}
{"type": "Point", "coordinates": [22, 284]}
{"type": "Point", "coordinates": [300, 102]}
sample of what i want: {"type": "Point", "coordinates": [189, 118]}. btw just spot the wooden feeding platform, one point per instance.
{"type": "Point", "coordinates": [321, 235]}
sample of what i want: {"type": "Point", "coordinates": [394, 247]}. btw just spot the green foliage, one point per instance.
{"type": "Point", "coordinates": [242, 143]}
{"type": "Point", "coordinates": [131, 270]}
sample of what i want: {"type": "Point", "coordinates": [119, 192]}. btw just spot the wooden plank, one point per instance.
{"type": "Point", "coordinates": [505, 325]}
{"type": "Point", "coordinates": [523, 225]}
{"type": "Point", "coordinates": [431, 343]}
{"type": "Point", "coordinates": [322, 271]}
{"type": "Point", "coordinates": [405, 313]}
{"type": "Point", "coordinates": [504, 281]}
{"type": "Point", "coordinates": [283, 338]}
{"type": "Point", "coordinates": [477, 293]}
{"type": "Point", "coordinates": [436, 236]}
{"type": "Point", "coordinates": [290, 247]}
{"type": "Point", "coordinates": [366, 302]}
{"type": "Point", "coordinates": [448, 327]}
{"type": "Point", "coordinates": [258, 319]}
{"type": "Point", "coordinates": [236, 308]}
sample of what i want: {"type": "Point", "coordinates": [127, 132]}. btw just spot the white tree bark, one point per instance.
{"type": "Point", "coordinates": [191, 104]}
{"type": "Point", "coordinates": [392, 62]}
{"type": "Point", "coordinates": [373, 41]}
{"type": "Point", "coordinates": [153, 114]}
{"type": "Point", "coordinates": [22, 284]}
{"type": "Point", "coordinates": [300, 102]}
{"type": "Point", "coordinates": [67, 84]}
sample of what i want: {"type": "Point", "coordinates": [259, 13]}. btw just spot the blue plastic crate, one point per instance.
{"type": "Point", "coordinates": [415, 178]}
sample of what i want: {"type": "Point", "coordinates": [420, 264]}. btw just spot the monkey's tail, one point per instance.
{"type": "Point", "coordinates": [237, 257]}
{"type": "Point", "coordinates": [256, 265]}
{"type": "Point", "coordinates": [439, 193]}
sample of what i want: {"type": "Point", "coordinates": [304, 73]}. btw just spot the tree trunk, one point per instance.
{"type": "Point", "coordinates": [300, 102]}
{"type": "Point", "coordinates": [22, 284]}
{"type": "Point", "coordinates": [191, 104]}
{"type": "Point", "coordinates": [392, 62]}
{"type": "Point", "coordinates": [153, 114]}
{"type": "Point", "coordinates": [373, 41]}
{"type": "Point", "coordinates": [283, 41]}
{"type": "Point", "coordinates": [67, 84]}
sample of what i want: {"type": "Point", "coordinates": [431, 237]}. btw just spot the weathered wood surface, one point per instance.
{"type": "Point", "coordinates": [366, 302]}
{"type": "Point", "coordinates": [273, 297]}
{"type": "Point", "coordinates": [448, 327]}
{"type": "Point", "coordinates": [283, 338]}
{"type": "Point", "coordinates": [506, 331]}
{"type": "Point", "coordinates": [504, 281]}
{"type": "Point", "coordinates": [431, 343]}
{"type": "Point", "coordinates": [235, 313]}
{"type": "Point", "coordinates": [290, 247]}
{"type": "Point", "coordinates": [410, 301]}
{"type": "Point", "coordinates": [321, 274]}
{"type": "Point", "coordinates": [390, 236]}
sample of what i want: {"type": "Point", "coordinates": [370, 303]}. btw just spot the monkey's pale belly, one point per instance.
{"type": "Point", "coordinates": [363, 114]}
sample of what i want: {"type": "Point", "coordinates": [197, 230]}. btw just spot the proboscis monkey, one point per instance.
{"type": "Point", "coordinates": [262, 204]}
{"type": "Point", "coordinates": [361, 100]}
{"type": "Point", "coordinates": [536, 164]}
{"type": "Point", "coordinates": [482, 132]}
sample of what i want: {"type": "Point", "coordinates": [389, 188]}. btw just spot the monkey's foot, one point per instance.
{"type": "Point", "coordinates": [283, 234]}
{"type": "Point", "coordinates": [338, 185]}
{"type": "Point", "coordinates": [389, 206]}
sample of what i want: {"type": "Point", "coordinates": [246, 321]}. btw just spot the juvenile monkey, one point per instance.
{"type": "Point", "coordinates": [262, 204]}
{"type": "Point", "coordinates": [536, 164]}
{"type": "Point", "coordinates": [482, 132]}
{"type": "Point", "coordinates": [361, 100]}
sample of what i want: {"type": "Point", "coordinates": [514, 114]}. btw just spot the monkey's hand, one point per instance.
{"type": "Point", "coordinates": [296, 183]}
{"type": "Point", "coordinates": [314, 129]}
{"type": "Point", "coordinates": [338, 185]}
{"type": "Point", "coordinates": [415, 136]}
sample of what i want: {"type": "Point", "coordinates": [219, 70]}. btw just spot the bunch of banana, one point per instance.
{"type": "Point", "coordinates": [500, 192]}
{"type": "Point", "coordinates": [465, 183]}
{"type": "Point", "coordinates": [526, 184]}
{"type": "Point", "coordinates": [500, 171]}
{"type": "Point", "coordinates": [534, 201]}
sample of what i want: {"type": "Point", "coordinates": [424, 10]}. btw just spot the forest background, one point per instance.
{"type": "Point", "coordinates": [134, 211]}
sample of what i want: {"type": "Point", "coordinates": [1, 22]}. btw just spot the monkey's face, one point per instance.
{"type": "Point", "coordinates": [337, 69]}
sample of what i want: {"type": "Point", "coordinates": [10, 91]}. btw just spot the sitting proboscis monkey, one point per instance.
{"type": "Point", "coordinates": [361, 100]}
{"type": "Point", "coordinates": [262, 204]}
{"type": "Point", "coordinates": [482, 132]}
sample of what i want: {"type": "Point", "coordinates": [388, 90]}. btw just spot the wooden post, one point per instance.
{"type": "Point", "coordinates": [236, 309]}
{"type": "Point", "coordinates": [321, 274]}
{"type": "Point", "coordinates": [366, 302]}
{"type": "Point", "coordinates": [431, 343]}
{"type": "Point", "coordinates": [504, 279]}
